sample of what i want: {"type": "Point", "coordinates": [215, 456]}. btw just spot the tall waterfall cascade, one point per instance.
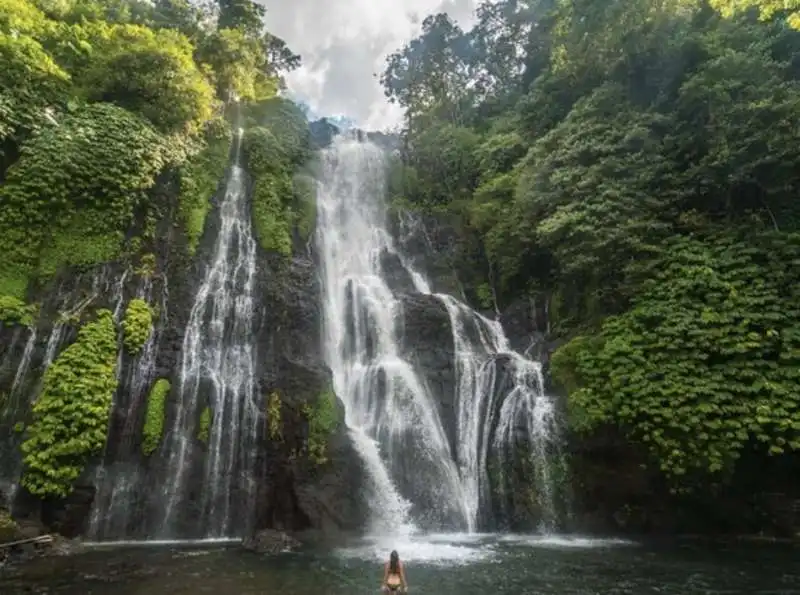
{"type": "Point", "coordinates": [418, 479]}
{"type": "Point", "coordinates": [218, 373]}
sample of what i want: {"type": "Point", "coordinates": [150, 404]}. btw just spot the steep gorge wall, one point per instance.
{"type": "Point", "coordinates": [307, 472]}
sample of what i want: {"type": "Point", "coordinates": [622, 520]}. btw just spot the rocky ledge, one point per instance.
{"type": "Point", "coordinates": [270, 541]}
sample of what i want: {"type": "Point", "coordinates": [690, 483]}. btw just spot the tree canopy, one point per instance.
{"type": "Point", "coordinates": [97, 98]}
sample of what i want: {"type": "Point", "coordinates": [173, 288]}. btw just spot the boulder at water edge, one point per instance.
{"type": "Point", "coordinates": [270, 541]}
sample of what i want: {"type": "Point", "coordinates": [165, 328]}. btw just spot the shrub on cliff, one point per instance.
{"type": "Point", "coordinates": [274, 418]}
{"type": "Point", "coordinates": [706, 363]}
{"type": "Point", "coordinates": [14, 311]}
{"type": "Point", "coordinates": [204, 428]}
{"type": "Point", "coordinates": [273, 151]}
{"type": "Point", "coordinates": [70, 417]}
{"type": "Point", "coordinates": [154, 417]}
{"type": "Point", "coordinates": [200, 177]}
{"type": "Point", "coordinates": [74, 192]}
{"type": "Point", "coordinates": [268, 163]}
{"type": "Point", "coordinates": [137, 325]}
{"type": "Point", "coordinates": [323, 419]}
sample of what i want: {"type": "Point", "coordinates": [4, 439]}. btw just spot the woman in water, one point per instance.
{"type": "Point", "coordinates": [394, 575]}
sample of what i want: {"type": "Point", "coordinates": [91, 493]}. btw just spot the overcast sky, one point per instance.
{"type": "Point", "coordinates": [344, 44]}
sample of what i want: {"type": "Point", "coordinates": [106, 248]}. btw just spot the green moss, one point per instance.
{"type": "Point", "coordinates": [147, 265]}
{"type": "Point", "coordinates": [73, 193]}
{"type": "Point", "coordinates": [274, 423]}
{"type": "Point", "coordinates": [79, 241]}
{"type": "Point", "coordinates": [305, 209]}
{"type": "Point", "coordinates": [270, 215]}
{"type": "Point", "coordinates": [15, 311]}
{"type": "Point", "coordinates": [485, 295]}
{"type": "Point", "coordinates": [70, 417]}
{"type": "Point", "coordinates": [281, 201]}
{"type": "Point", "coordinates": [9, 531]}
{"type": "Point", "coordinates": [199, 179]}
{"type": "Point", "coordinates": [205, 425]}
{"type": "Point", "coordinates": [323, 419]}
{"type": "Point", "coordinates": [137, 325]}
{"type": "Point", "coordinates": [268, 163]}
{"type": "Point", "coordinates": [154, 417]}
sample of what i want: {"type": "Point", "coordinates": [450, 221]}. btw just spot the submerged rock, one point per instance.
{"type": "Point", "coordinates": [270, 541]}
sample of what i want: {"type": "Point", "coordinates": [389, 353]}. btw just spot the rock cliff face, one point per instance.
{"type": "Point", "coordinates": [606, 484]}
{"type": "Point", "coordinates": [294, 492]}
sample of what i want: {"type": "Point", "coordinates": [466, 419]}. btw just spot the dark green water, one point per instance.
{"type": "Point", "coordinates": [444, 565]}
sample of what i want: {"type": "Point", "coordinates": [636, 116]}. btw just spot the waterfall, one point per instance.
{"type": "Point", "coordinates": [53, 344]}
{"type": "Point", "coordinates": [119, 477]}
{"type": "Point", "coordinates": [217, 371]}
{"type": "Point", "coordinates": [22, 371]}
{"type": "Point", "coordinates": [12, 410]}
{"type": "Point", "coordinates": [389, 409]}
{"type": "Point", "coordinates": [391, 414]}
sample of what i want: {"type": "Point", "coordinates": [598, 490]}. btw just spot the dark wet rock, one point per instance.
{"type": "Point", "coordinates": [426, 340]}
{"type": "Point", "coordinates": [524, 321]}
{"type": "Point", "coordinates": [292, 493]}
{"type": "Point", "coordinates": [431, 246]}
{"type": "Point", "coordinates": [270, 541]}
{"type": "Point", "coordinates": [9, 529]}
{"type": "Point", "coordinates": [69, 516]}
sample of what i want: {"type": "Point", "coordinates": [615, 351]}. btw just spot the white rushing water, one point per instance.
{"type": "Point", "coordinates": [118, 480]}
{"type": "Point", "coordinates": [217, 370]}
{"type": "Point", "coordinates": [416, 481]}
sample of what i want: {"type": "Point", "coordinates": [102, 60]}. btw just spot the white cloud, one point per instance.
{"type": "Point", "coordinates": [344, 44]}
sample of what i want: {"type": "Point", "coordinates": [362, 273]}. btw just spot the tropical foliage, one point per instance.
{"type": "Point", "coordinates": [109, 109]}
{"type": "Point", "coordinates": [70, 417]}
{"type": "Point", "coordinates": [276, 144]}
{"type": "Point", "coordinates": [154, 417]}
{"type": "Point", "coordinates": [636, 165]}
{"type": "Point", "coordinates": [137, 325]}
{"type": "Point", "coordinates": [97, 99]}
{"type": "Point", "coordinates": [323, 419]}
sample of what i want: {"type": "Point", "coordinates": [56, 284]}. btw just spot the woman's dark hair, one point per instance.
{"type": "Point", "coordinates": [393, 561]}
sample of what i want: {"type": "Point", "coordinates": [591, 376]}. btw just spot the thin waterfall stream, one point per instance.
{"type": "Point", "coordinates": [119, 478]}
{"type": "Point", "coordinates": [217, 373]}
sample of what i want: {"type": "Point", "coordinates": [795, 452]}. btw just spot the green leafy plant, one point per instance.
{"type": "Point", "coordinates": [199, 179]}
{"type": "Point", "coordinates": [323, 419]}
{"type": "Point", "coordinates": [274, 421]}
{"type": "Point", "coordinates": [70, 417]}
{"type": "Point", "coordinates": [155, 416]}
{"type": "Point", "coordinates": [272, 190]}
{"type": "Point", "coordinates": [707, 360]}
{"type": "Point", "coordinates": [273, 149]}
{"type": "Point", "coordinates": [147, 265]}
{"type": "Point", "coordinates": [73, 193]}
{"type": "Point", "coordinates": [15, 311]}
{"type": "Point", "coordinates": [205, 425]}
{"type": "Point", "coordinates": [137, 325]}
